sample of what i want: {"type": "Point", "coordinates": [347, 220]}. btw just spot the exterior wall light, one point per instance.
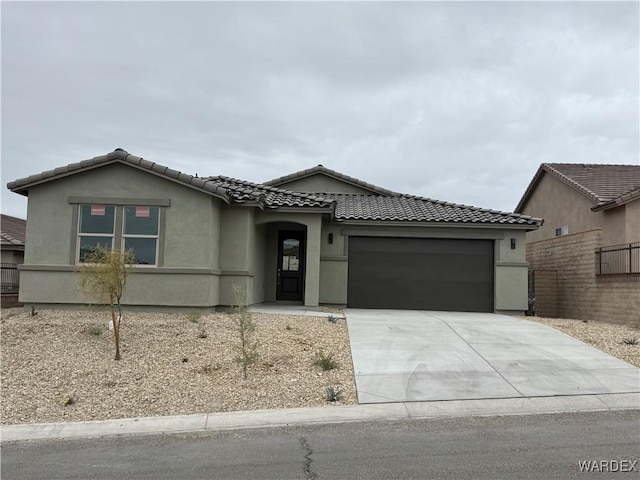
{"type": "Point", "coordinates": [331, 239]}
{"type": "Point", "coordinates": [513, 244]}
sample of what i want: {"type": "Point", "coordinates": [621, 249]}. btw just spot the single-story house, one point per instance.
{"type": "Point", "coordinates": [315, 237]}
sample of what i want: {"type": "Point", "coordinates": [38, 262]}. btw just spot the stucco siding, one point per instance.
{"type": "Point", "coordinates": [189, 237]}
{"type": "Point", "coordinates": [148, 289]}
{"type": "Point", "coordinates": [258, 264]}
{"type": "Point", "coordinates": [245, 269]}
{"type": "Point", "coordinates": [333, 281]}
{"type": "Point", "coordinates": [511, 288]}
{"type": "Point", "coordinates": [333, 266]}
{"type": "Point", "coordinates": [614, 226]}
{"type": "Point", "coordinates": [632, 230]}
{"type": "Point", "coordinates": [322, 183]}
{"type": "Point", "coordinates": [192, 230]}
{"type": "Point", "coordinates": [559, 205]}
{"type": "Point", "coordinates": [50, 225]}
{"type": "Point", "coordinates": [235, 223]}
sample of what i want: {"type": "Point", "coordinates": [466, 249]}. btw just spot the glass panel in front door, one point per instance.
{"type": "Point", "coordinates": [291, 255]}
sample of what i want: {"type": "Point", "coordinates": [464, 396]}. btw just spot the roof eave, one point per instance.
{"type": "Point", "coordinates": [422, 223]}
{"type": "Point", "coordinates": [546, 168]}
{"type": "Point", "coordinates": [617, 202]}
{"type": "Point", "coordinates": [22, 186]}
{"type": "Point", "coordinates": [529, 190]}
{"type": "Point", "coordinates": [306, 209]}
{"type": "Point", "coordinates": [23, 189]}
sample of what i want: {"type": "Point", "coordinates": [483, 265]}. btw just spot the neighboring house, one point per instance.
{"type": "Point", "coordinates": [315, 237]}
{"type": "Point", "coordinates": [575, 197]}
{"type": "Point", "coordinates": [12, 242]}
{"type": "Point", "coordinates": [586, 256]}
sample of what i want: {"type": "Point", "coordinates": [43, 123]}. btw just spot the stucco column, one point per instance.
{"type": "Point", "coordinates": [312, 276]}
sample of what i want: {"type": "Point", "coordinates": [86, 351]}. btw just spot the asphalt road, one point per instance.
{"type": "Point", "coordinates": [525, 447]}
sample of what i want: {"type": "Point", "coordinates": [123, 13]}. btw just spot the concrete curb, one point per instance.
{"type": "Point", "coordinates": [320, 415]}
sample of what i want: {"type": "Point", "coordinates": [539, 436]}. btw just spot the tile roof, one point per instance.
{"type": "Point", "coordinates": [603, 184]}
{"type": "Point", "coordinates": [408, 208]}
{"type": "Point", "coordinates": [241, 191]}
{"type": "Point", "coordinates": [13, 230]}
{"type": "Point", "coordinates": [331, 173]}
{"type": "Point", "coordinates": [382, 205]}
{"type": "Point", "coordinates": [119, 155]}
{"type": "Point", "coordinates": [228, 189]}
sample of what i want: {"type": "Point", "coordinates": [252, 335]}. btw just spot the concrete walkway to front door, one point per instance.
{"type": "Point", "coordinates": [407, 356]}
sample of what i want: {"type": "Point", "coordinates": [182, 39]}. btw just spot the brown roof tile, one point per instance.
{"type": "Point", "coordinates": [602, 184]}
{"type": "Point", "coordinates": [271, 197]}
{"type": "Point", "coordinates": [382, 205]}
{"type": "Point", "coordinates": [409, 208]}
{"type": "Point", "coordinates": [13, 230]}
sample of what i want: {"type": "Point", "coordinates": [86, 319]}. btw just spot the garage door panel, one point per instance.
{"type": "Point", "coordinates": [430, 274]}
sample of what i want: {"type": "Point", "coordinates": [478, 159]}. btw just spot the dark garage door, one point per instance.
{"type": "Point", "coordinates": [418, 273]}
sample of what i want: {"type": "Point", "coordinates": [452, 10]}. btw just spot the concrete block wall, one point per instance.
{"type": "Point", "coordinates": [546, 288]}
{"type": "Point", "coordinates": [566, 264]}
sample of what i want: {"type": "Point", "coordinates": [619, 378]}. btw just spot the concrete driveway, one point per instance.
{"type": "Point", "coordinates": [409, 356]}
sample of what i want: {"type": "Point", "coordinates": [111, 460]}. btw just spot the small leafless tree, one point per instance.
{"type": "Point", "coordinates": [245, 326]}
{"type": "Point", "coordinates": [104, 278]}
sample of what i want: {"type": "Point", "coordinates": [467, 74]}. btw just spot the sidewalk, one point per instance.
{"type": "Point", "coordinates": [320, 415]}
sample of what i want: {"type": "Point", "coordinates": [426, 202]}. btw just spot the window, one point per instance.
{"type": "Point", "coordinates": [123, 227]}
{"type": "Point", "coordinates": [291, 255]}
{"type": "Point", "coordinates": [96, 227]}
{"type": "Point", "coordinates": [564, 230]}
{"type": "Point", "coordinates": [140, 233]}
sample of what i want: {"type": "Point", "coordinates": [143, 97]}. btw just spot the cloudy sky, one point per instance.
{"type": "Point", "coordinates": [454, 101]}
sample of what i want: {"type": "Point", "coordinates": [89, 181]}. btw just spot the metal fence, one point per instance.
{"type": "Point", "coordinates": [10, 278]}
{"type": "Point", "coordinates": [618, 259]}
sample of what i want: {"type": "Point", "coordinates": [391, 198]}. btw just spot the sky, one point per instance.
{"type": "Point", "coordinates": [455, 101]}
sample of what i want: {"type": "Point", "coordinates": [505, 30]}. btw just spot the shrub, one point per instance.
{"type": "Point", "coordinates": [95, 330]}
{"type": "Point", "coordinates": [202, 333]}
{"type": "Point", "coordinates": [333, 394]}
{"type": "Point", "coordinates": [325, 361]}
{"type": "Point", "coordinates": [194, 316]}
{"type": "Point", "coordinates": [630, 341]}
{"type": "Point", "coordinates": [332, 319]}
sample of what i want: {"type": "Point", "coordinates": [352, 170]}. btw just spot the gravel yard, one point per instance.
{"type": "Point", "coordinates": [607, 337]}
{"type": "Point", "coordinates": [58, 365]}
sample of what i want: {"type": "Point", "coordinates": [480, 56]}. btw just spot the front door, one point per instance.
{"type": "Point", "coordinates": [290, 265]}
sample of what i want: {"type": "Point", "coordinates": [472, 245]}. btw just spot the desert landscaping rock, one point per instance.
{"type": "Point", "coordinates": [608, 337]}
{"type": "Point", "coordinates": [58, 365]}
